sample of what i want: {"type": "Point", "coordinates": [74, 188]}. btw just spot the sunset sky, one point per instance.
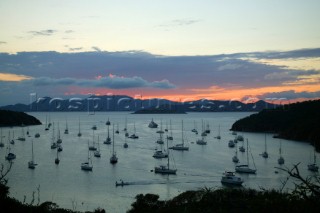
{"type": "Point", "coordinates": [175, 49]}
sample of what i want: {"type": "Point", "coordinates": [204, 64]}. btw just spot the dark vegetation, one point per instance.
{"type": "Point", "coordinates": [304, 198]}
{"type": "Point", "coordinates": [11, 118]}
{"type": "Point", "coordinates": [298, 121]}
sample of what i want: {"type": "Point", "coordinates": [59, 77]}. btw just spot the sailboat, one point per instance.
{"type": "Point", "coordinates": [12, 140]}
{"type": "Point", "coordinates": [208, 128]}
{"type": "Point", "coordinates": [160, 139]}
{"type": "Point", "coordinates": [117, 131]}
{"type": "Point", "coordinates": [28, 131]}
{"type": "Point", "coordinates": [235, 158]}
{"type": "Point", "coordinates": [22, 137]}
{"type": "Point", "coordinates": [241, 148]}
{"type": "Point", "coordinates": [37, 135]}
{"type": "Point", "coordinates": [49, 123]}
{"type": "Point", "coordinates": [203, 132]}
{"type": "Point", "coordinates": [87, 166]}
{"type": "Point", "coordinates": [79, 134]}
{"type": "Point", "coordinates": [180, 147]}
{"type": "Point", "coordinates": [280, 159]}
{"type": "Point", "coordinates": [165, 169]}
{"type": "Point", "coordinates": [1, 143]}
{"type": "Point", "coordinates": [166, 129]}
{"type": "Point", "coordinates": [126, 129]}
{"type": "Point", "coordinates": [53, 144]}
{"type": "Point", "coordinates": [125, 145]}
{"type": "Point", "coordinates": [152, 124]}
{"type": "Point", "coordinates": [114, 158]}
{"type": "Point", "coordinates": [32, 164]}
{"type": "Point", "coordinates": [92, 148]}
{"type": "Point", "coordinates": [231, 143]}
{"type": "Point", "coordinates": [57, 160]}
{"type": "Point", "coordinates": [245, 168]}
{"type": "Point", "coordinates": [194, 128]}
{"type": "Point", "coordinates": [134, 136]}
{"type": "Point", "coordinates": [46, 126]}
{"type": "Point", "coordinates": [59, 140]}
{"type": "Point", "coordinates": [10, 155]}
{"type": "Point", "coordinates": [97, 152]}
{"type": "Point", "coordinates": [218, 136]}
{"type": "Point", "coordinates": [231, 178]}
{"type": "Point", "coordinates": [108, 139]}
{"type": "Point", "coordinates": [170, 137]}
{"type": "Point", "coordinates": [108, 123]}
{"type": "Point", "coordinates": [66, 131]}
{"type": "Point", "coordinates": [313, 166]}
{"type": "Point", "coordinates": [265, 153]}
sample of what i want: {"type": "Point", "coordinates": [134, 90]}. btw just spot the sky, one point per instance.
{"type": "Point", "coordinates": [174, 49]}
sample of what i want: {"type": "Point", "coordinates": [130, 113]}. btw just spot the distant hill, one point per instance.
{"type": "Point", "coordinates": [163, 109]}
{"type": "Point", "coordinates": [298, 121]}
{"type": "Point", "coordinates": [11, 118]}
{"type": "Point", "coordinates": [126, 103]}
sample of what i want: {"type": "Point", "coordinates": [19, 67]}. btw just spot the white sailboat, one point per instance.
{"type": "Point", "coordinates": [245, 168]}
{"type": "Point", "coordinates": [32, 164]}
{"type": "Point", "coordinates": [114, 158]}
{"type": "Point", "coordinates": [66, 131]}
{"type": "Point", "coordinates": [165, 169]}
{"type": "Point", "coordinates": [87, 166]}
{"type": "Point", "coordinates": [231, 178]}
{"type": "Point", "coordinates": [280, 159]}
{"type": "Point", "coordinates": [97, 152]}
{"type": "Point", "coordinates": [181, 146]}
{"type": "Point", "coordinates": [79, 134]}
{"type": "Point", "coordinates": [265, 153]}
{"type": "Point", "coordinates": [313, 165]}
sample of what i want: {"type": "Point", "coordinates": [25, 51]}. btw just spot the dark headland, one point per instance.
{"type": "Point", "coordinates": [11, 118]}
{"type": "Point", "coordinates": [298, 121]}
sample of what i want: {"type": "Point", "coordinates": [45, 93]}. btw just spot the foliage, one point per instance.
{"type": "Point", "coordinates": [298, 121]}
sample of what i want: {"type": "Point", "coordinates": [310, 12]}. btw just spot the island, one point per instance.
{"type": "Point", "coordinates": [11, 118]}
{"type": "Point", "coordinates": [298, 121]}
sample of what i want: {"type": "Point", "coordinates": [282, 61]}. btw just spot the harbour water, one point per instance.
{"type": "Point", "coordinates": [202, 166]}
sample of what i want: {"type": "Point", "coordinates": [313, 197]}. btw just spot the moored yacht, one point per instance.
{"type": "Point", "coordinates": [230, 178]}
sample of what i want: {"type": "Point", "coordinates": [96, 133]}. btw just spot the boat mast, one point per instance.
{"type": "Point", "coordinates": [113, 139]}
{"type": "Point", "coordinates": [265, 142]}
{"type": "Point", "coordinates": [182, 134]}
{"type": "Point", "coordinates": [32, 158]}
{"type": "Point", "coordinates": [168, 155]}
{"type": "Point", "coordinates": [170, 128]}
{"type": "Point", "coordinates": [247, 153]}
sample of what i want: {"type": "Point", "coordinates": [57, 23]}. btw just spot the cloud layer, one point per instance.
{"type": "Point", "coordinates": [111, 82]}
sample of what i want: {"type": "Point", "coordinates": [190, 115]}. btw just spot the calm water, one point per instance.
{"type": "Point", "coordinates": [70, 187]}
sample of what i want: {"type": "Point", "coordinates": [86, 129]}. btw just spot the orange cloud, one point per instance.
{"type": "Point", "coordinates": [13, 77]}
